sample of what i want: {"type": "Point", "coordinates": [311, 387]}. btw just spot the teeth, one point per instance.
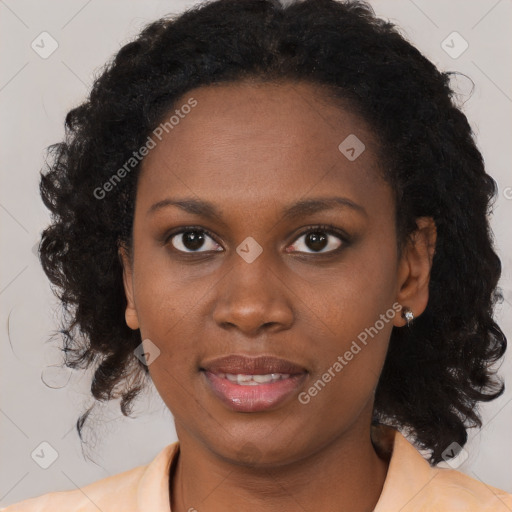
{"type": "Point", "coordinates": [254, 380]}
{"type": "Point", "coordinates": [242, 379]}
{"type": "Point", "coordinates": [260, 379]}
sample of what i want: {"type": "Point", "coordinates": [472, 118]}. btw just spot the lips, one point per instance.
{"type": "Point", "coordinates": [252, 384]}
{"type": "Point", "coordinates": [261, 365]}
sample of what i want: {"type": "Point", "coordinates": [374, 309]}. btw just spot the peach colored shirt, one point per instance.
{"type": "Point", "coordinates": [411, 485]}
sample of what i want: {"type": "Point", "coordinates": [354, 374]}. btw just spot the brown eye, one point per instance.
{"type": "Point", "coordinates": [192, 240]}
{"type": "Point", "coordinates": [318, 239]}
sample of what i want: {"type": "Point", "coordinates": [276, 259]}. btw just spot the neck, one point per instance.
{"type": "Point", "coordinates": [344, 475]}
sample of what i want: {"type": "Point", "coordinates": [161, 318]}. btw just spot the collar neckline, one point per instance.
{"type": "Point", "coordinates": [406, 467]}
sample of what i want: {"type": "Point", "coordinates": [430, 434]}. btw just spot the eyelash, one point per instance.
{"type": "Point", "coordinates": [325, 228]}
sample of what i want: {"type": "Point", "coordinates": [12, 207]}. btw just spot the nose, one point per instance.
{"type": "Point", "coordinates": [253, 297]}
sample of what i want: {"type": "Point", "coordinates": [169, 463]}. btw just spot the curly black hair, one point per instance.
{"type": "Point", "coordinates": [435, 371]}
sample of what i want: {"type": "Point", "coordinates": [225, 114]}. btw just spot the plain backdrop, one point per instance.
{"type": "Point", "coordinates": [40, 402]}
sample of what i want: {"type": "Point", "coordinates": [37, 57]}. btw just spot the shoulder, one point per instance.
{"type": "Point", "coordinates": [453, 488]}
{"type": "Point", "coordinates": [91, 497]}
{"type": "Point", "coordinates": [412, 485]}
{"type": "Point", "coordinates": [120, 492]}
{"type": "Point", "coordinates": [96, 496]}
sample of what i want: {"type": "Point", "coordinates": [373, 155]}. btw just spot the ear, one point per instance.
{"type": "Point", "coordinates": [414, 269]}
{"type": "Point", "coordinates": [131, 318]}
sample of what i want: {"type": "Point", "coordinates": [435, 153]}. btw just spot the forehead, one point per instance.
{"type": "Point", "coordinates": [260, 142]}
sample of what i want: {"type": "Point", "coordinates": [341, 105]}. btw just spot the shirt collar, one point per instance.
{"type": "Point", "coordinates": [153, 490]}
{"type": "Point", "coordinates": [408, 472]}
{"type": "Point", "coordinates": [407, 483]}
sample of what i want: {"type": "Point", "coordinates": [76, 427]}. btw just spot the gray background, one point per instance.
{"type": "Point", "coordinates": [36, 93]}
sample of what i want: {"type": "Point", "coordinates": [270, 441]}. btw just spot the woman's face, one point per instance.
{"type": "Point", "coordinates": [258, 284]}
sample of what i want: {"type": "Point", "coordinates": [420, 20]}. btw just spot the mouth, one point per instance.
{"type": "Point", "coordinates": [246, 384]}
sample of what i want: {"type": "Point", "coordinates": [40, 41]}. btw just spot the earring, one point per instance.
{"type": "Point", "coordinates": [407, 315]}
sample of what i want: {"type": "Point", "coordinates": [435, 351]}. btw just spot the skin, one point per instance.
{"type": "Point", "coordinates": [253, 150]}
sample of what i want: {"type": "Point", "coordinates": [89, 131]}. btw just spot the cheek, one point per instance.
{"type": "Point", "coordinates": [353, 294]}
{"type": "Point", "coordinates": [349, 355]}
{"type": "Point", "coordinates": [166, 309]}
{"type": "Point", "coordinates": [160, 291]}
{"type": "Point", "coordinates": [354, 317]}
{"type": "Point", "coordinates": [166, 301]}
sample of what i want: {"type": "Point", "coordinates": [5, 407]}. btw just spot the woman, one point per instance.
{"type": "Point", "coordinates": [264, 211]}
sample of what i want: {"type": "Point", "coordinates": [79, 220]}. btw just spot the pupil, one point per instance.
{"type": "Point", "coordinates": [193, 240]}
{"type": "Point", "coordinates": [317, 241]}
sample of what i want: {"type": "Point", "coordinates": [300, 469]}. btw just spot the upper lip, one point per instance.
{"type": "Point", "coordinates": [260, 365]}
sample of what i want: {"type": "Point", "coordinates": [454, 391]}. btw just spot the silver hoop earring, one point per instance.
{"type": "Point", "coordinates": [407, 315]}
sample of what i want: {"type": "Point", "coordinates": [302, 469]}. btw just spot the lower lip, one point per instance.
{"type": "Point", "coordinates": [253, 398]}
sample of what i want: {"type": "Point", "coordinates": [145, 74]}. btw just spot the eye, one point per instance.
{"type": "Point", "coordinates": [191, 239]}
{"type": "Point", "coordinates": [317, 239]}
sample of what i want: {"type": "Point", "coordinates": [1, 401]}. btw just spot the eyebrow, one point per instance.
{"type": "Point", "coordinates": [299, 209]}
